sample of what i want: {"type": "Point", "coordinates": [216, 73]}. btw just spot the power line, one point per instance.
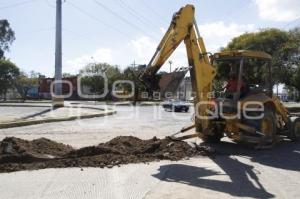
{"type": "Point", "coordinates": [49, 4]}
{"type": "Point", "coordinates": [84, 36]}
{"type": "Point", "coordinates": [98, 20]}
{"type": "Point", "coordinates": [160, 17]}
{"type": "Point", "coordinates": [32, 32]}
{"type": "Point", "coordinates": [138, 16]}
{"type": "Point", "coordinates": [141, 18]}
{"type": "Point", "coordinates": [30, 35]}
{"type": "Point", "coordinates": [120, 17]}
{"type": "Point", "coordinates": [17, 4]}
{"type": "Point", "coordinates": [42, 30]}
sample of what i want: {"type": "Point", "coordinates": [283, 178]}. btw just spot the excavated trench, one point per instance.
{"type": "Point", "coordinates": [18, 154]}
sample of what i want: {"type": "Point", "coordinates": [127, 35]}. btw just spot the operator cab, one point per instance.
{"type": "Point", "coordinates": [241, 74]}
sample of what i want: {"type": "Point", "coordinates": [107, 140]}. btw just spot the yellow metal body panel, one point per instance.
{"type": "Point", "coordinates": [258, 97]}
{"type": "Point", "coordinates": [274, 102]}
{"type": "Point", "coordinates": [280, 109]}
{"type": "Point", "coordinates": [233, 127]}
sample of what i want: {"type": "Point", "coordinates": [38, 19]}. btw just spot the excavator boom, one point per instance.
{"type": "Point", "coordinates": [183, 28]}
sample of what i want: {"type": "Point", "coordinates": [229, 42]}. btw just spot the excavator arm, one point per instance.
{"type": "Point", "coordinates": [183, 28]}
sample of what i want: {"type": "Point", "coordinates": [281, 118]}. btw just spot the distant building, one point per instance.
{"type": "Point", "coordinates": [33, 93]}
{"type": "Point", "coordinates": [45, 86]}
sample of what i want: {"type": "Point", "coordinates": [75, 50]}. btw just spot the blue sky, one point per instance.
{"type": "Point", "coordinates": [121, 31]}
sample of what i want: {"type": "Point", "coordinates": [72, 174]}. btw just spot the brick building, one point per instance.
{"type": "Point", "coordinates": [45, 86]}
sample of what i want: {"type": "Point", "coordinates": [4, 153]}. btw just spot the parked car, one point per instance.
{"type": "Point", "coordinates": [176, 106]}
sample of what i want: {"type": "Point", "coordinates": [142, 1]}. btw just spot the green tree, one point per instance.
{"type": "Point", "coordinates": [294, 44]}
{"type": "Point", "coordinates": [131, 73]}
{"type": "Point", "coordinates": [34, 74]}
{"type": "Point", "coordinates": [26, 82]}
{"type": "Point", "coordinates": [94, 77]}
{"type": "Point", "coordinates": [281, 45]}
{"type": "Point", "coordinates": [66, 75]}
{"type": "Point", "coordinates": [7, 36]}
{"type": "Point", "coordinates": [9, 73]}
{"type": "Point", "coordinates": [296, 80]}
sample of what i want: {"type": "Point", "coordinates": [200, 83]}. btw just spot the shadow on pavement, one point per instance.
{"type": "Point", "coordinates": [285, 155]}
{"type": "Point", "coordinates": [244, 181]}
{"type": "Point", "coordinates": [39, 113]}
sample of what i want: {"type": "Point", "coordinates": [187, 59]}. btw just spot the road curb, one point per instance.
{"type": "Point", "coordinates": [50, 120]}
{"type": "Point", "coordinates": [24, 105]}
{"type": "Point", "coordinates": [130, 103]}
{"type": "Point", "coordinates": [50, 106]}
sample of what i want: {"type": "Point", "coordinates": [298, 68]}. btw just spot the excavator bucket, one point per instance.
{"type": "Point", "coordinates": [166, 82]}
{"type": "Point", "coordinates": [170, 82]}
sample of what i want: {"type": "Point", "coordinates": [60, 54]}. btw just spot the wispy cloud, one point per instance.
{"type": "Point", "coordinates": [218, 34]}
{"type": "Point", "coordinates": [100, 55]}
{"type": "Point", "coordinates": [278, 10]}
{"type": "Point", "coordinates": [215, 35]}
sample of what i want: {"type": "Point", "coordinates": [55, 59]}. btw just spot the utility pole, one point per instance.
{"type": "Point", "coordinates": [184, 79]}
{"type": "Point", "coordinates": [57, 101]}
{"type": "Point", "coordinates": [136, 92]}
{"type": "Point", "coordinates": [134, 64]}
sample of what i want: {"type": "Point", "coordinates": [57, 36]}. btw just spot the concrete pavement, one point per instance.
{"type": "Point", "coordinates": [241, 175]}
{"type": "Point", "coordinates": [234, 173]}
{"type": "Point", "coordinates": [24, 114]}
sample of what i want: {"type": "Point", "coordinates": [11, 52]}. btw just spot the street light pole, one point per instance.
{"type": "Point", "coordinates": [170, 62]}
{"type": "Point", "coordinates": [56, 100]}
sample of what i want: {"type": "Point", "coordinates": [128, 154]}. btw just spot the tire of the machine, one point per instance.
{"type": "Point", "coordinates": [215, 138]}
{"type": "Point", "coordinates": [270, 114]}
{"type": "Point", "coordinates": [292, 134]}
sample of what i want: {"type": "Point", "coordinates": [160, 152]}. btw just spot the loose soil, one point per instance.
{"type": "Point", "coordinates": [17, 154]}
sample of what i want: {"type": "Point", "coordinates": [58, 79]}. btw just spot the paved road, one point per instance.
{"type": "Point", "coordinates": [18, 114]}
{"type": "Point", "coordinates": [144, 122]}
{"type": "Point", "coordinates": [235, 172]}
{"type": "Point", "coordinates": [13, 113]}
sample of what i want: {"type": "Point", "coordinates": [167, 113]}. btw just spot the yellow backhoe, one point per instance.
{"type": "Point", "coordinates": [250, 113]}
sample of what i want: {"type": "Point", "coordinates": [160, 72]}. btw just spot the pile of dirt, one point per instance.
{"type": "Point", "coordinates": [17, 150]}
{"type": "Point", "coordinates": [17, 154]}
